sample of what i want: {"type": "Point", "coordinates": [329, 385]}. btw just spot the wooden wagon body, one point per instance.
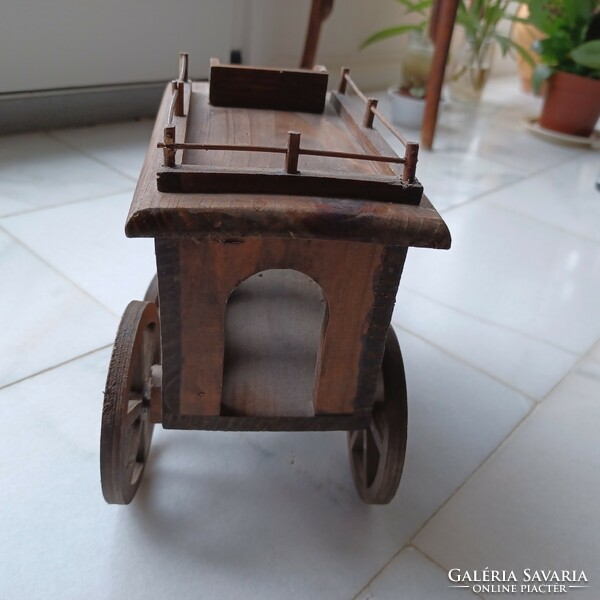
{"type": "Point", "coordinates": [281, 221]}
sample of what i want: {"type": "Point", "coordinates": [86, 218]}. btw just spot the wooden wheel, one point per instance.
{"type": "Point", "coordinates": [126, 427]}
{"type": "Point", "coordinates": [152, 291]}
{"type": "Point", "coordinates": [377, 453]}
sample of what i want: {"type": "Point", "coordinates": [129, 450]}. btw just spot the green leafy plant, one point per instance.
{"type": "Point", "coordinates": [572, 42]}
{"type": "Point", "coordinates": [478, 18]}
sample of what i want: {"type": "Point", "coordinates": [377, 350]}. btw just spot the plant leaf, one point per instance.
{"type": "Point", "coordinates": [384, 34]}
{"type": "Point", "coordinates": [588, 54]}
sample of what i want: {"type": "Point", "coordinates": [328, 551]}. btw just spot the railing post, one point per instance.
{"type": "Point", "coordinates": [177, 87]}
{"type": "Point", "coordinates": [411, 155]}
{"type": "Point", "coordinates": [169, 153]}
{"type": "Point", "coordinates": [369, 114]}
{"type": "Point", "coordinates": [343, 82]}
{"type": "Point", "coordinates": [293, 152]}
{"type": "Point", "coordinates": [183, 66]}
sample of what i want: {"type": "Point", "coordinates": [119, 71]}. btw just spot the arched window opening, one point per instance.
{"type": "Point", "coordinates": [274, 324]}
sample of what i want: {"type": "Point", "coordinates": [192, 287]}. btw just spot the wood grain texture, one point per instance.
{"type": "Point", "coordinates": [273, 328]}
{"type": "Point", "coordinates": [317, 423]}
{"type": "Point", "coordinates": [268, 88]}
{"type": "Point", "coordinates": [219, 216]}
{"type": "Point", "coordinates": [276, 182]}
{"type": "Point", "coordinates": [208, 273]}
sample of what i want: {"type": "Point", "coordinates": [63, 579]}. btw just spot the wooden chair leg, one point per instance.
{"type": "Point", "coordinates": [442, 25]}
{"type": "Point", "coordinates": [319, 11]}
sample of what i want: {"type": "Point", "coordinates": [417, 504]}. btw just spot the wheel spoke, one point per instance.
{"type": "Point", "coordinates": [134, 410]}
{"type": "Point", "coordinates": [372, 458]}
{"type": "Point", "coordinates": [354, 435]}
{"type": "Point", "coordinates": [378, 437]}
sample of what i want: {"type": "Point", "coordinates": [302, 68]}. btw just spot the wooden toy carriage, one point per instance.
{"type": "Point", "coordinates": [281, 221]}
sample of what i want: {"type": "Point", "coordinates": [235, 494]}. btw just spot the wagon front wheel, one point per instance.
{"type": "Point", "coordinates": [377, 452]}
{"type": "Point", "coordinates": [126, 427]}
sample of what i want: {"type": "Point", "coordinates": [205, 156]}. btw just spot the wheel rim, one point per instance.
{"type": "Point", "coordinates": [377, 452]}
{"type": "Point", "coordinates": [126, 428]}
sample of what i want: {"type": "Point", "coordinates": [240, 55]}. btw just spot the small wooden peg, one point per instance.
{"type": "Point", "coordinates": [293, 152]}
{"type": "Point", "coordinates": [343, 82]}
{"type": "Point", "coordinates": [169, 153]}
{"type": "Point", "coordinates": [369, 114]}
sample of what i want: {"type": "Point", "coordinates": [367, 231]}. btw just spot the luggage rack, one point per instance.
{"type": "Point", "coordinates": [394, 184]}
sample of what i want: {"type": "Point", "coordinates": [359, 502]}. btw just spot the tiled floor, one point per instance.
{"type": "Point", "coordinates": [501, 340]}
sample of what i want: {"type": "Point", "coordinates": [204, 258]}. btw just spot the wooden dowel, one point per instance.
{"type": "Point", "coordinates": [369, 114]}
{"type": "Point", "coordinates": [343, 81]}
{"type": "Point", "coordinates": [301, 151]}
{"type": "Point", "coordinates": [353, 156]}
{"type": "Point", "coordinates": [177, 87]}
{"type": "Point", "coordinates": [411, 155]}
{"type": "Point", "coordinates": [293, 151]}
{"type": "Point", "coordinates": [168, 152]}
{"type": "Point", "coordinates": [183, 66]}
{"type": "Point", "coordinates": [390, 127]}
{"type": "Point", "coordinates": [171, 112]}
{"type": "Point", "coordinates": [356, 89]}
{"type": "Point", "coordinates": [232, 147]}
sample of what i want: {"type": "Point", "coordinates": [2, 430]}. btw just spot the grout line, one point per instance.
{"type": "Point", "coordinates": [437, 564]}
{"type": "Point", "coordinates": [56, 366]}
{"type": "Point", "coordinates": [72, 202]}
{"type": "Point", "coordinates": [518, 180]}
{"type": "Point", "coordinates": [489, 322]}
{"type": "Point", "coordinates": [554, 226]}
{"type": "Point", "coordinates": [59, 273]}
{"type": "Point", "coordinates": [529, 415]}
{"type": "Point", "coordinates": [51, 135]}
{"type": "Point", "coordinates": [391, 560]}
{"type": "Point", "coordinates": [466, 363]}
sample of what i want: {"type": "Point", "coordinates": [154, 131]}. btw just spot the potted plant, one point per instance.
{"type": "Point", "coordinates": [570, 63]}
{"type": "Point", "coordinates": [407, 98]}
{"type": "Point", "coordinates": [479, 20]}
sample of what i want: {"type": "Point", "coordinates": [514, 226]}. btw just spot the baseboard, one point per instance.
{"type": "Point", "coordinates": [78, 107]}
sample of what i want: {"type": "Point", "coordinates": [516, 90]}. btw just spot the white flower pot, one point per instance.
{"type": "Point", "coordinates": [406, 110]}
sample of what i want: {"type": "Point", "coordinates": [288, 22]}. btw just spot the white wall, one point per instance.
{"type": "Point", "coordinates": [47, 44]}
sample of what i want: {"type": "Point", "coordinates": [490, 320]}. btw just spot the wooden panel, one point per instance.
{"type": "Point", "coordinates": [209, 181]}
{"type": "Point", "coordinates": [318, 423]}
{"type": "Point", "coordinates": [210, 270]}
{"type": "Point", "coordinates": [219, 216]}
{"type": "Point", "coordinates": [274, 89]}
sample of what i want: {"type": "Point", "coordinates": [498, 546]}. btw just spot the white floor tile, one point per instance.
{"type": "Point", "coordinates": [457, 416]}
{"type": "Point", "coordinates": [595, 353]}
{"type": "Point", "coordinates": [531, 366]}
{"type": "Point", "coordinates": [224, 514]}
{"type": "Point", "coordinates": [86, 241]}
{"type": "Point", "coordinates": [564, 197]}
{"type": "Point", "coordinates": [414, 577]}
{"type": "Point", "coordinates": [45, 319]}
{"type": "Point", "coordinates": [514, 272]}
{"type": "Point", "coordinates": [534, 505]}
{"type": "Point", "coordinates": [119, 145]}
{"type": "Point", "coordinates": [37, 171]}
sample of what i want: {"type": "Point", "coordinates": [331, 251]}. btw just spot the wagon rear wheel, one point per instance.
{"type": "Point", "coordinates": [152, 291]}
{"type": "Point", "coordinates": [126, 428]}
{"type": "Point", "coordinates": [377, 453]}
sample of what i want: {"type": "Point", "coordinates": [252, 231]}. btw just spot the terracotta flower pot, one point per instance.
{"type": "Point", "coordinates": [572, 104]}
